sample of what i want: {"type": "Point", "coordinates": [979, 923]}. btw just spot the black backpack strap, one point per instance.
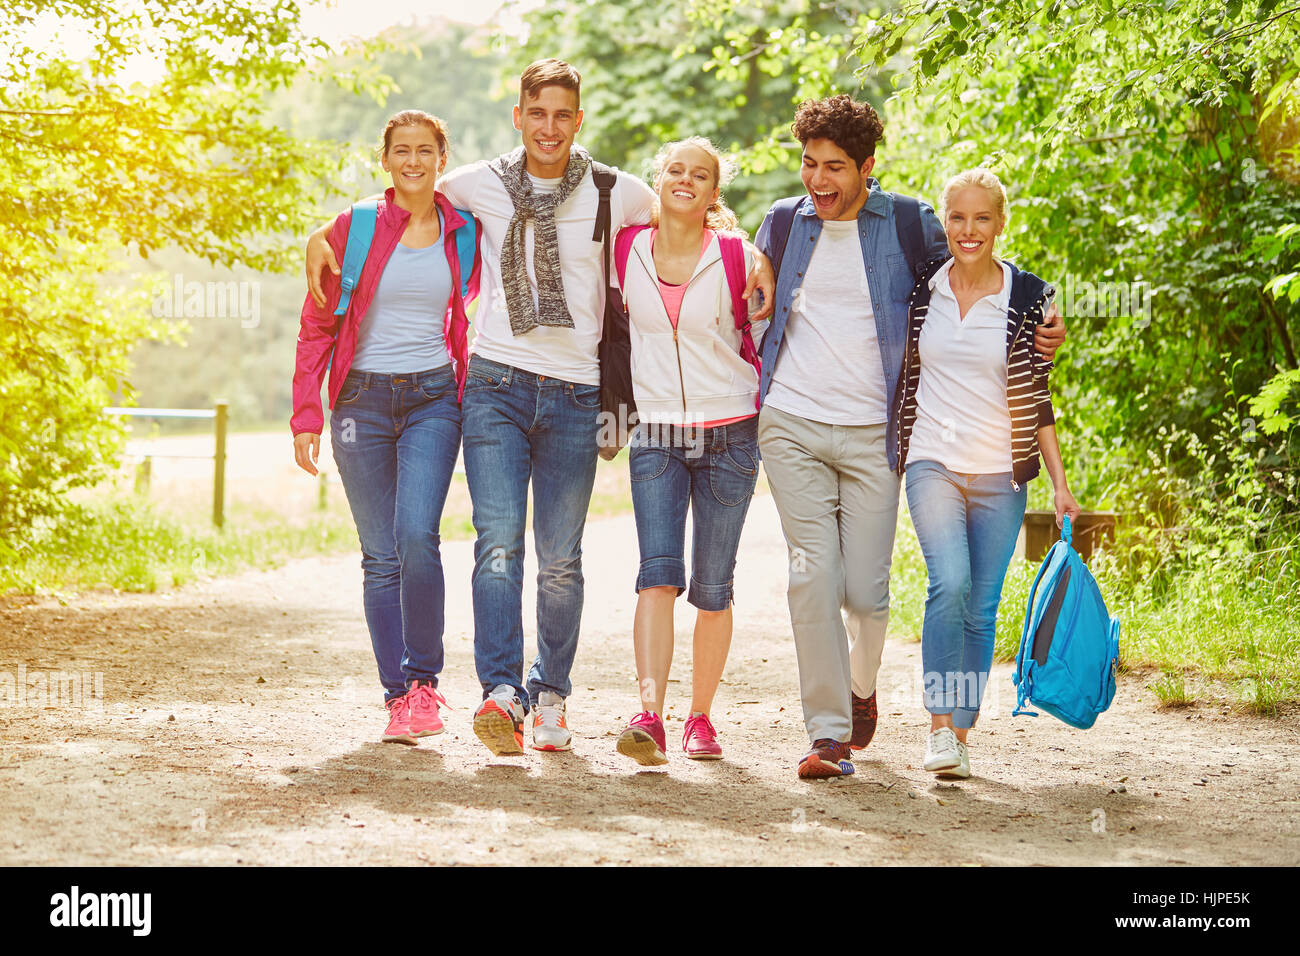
{"type": "Point", "coordinates": [604, 178]}
{"type": "Point", "coordinates": [907, 221]}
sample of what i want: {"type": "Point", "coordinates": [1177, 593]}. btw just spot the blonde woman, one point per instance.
{"type": "Point", "coordinates": [696, 447]}
{"type": "Point", "coordinates": [975, 414]}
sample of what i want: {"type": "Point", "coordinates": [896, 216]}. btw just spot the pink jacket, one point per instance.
{"type": "Point", "coordinates": [327, 341]}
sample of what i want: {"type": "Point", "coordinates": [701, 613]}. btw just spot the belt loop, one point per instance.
{"type": "Point", "coordinates": [366, 381]}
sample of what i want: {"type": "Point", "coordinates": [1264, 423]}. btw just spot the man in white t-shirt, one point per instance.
{"type": "Point", "coordinates": [831, 362]}
{"type": "Point", "coordinates": [532, 396]}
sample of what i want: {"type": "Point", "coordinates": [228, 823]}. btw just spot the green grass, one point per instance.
{"type": "Point", "coordinates": [1171, 688]}
{"type": "Point", "coordinates": [1226, 620]}
{"type": "Point", "coordinates": [125, 542]}
{"type": "Point", "coordinates": [129, 545]}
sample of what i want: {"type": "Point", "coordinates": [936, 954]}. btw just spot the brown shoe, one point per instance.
{"type": "Point", "coordinates": [828, 758]}
{"type": "Point", "coordinates": [864, 720]}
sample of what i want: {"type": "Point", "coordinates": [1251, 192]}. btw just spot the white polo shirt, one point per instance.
{"type": "Point", "coordinates": [568, 354]}
{"type": "Point", "coordinates": [962, 418]}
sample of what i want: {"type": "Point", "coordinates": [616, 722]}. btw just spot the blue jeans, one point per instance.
{"type": "Point", "coordinates": [713, 470]}
{"type": "Point", "coordinates": [967, 526]}
{"type": "Point", "coordinates": [395, 440]}
{"type": "Point", "coordinates": [520, 427]}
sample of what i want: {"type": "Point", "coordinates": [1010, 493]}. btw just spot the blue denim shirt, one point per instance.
{"type": "Point", "coordinates": [888, 279]}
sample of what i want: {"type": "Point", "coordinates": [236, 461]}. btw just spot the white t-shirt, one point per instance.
{"type": "Point", "coordinates": [568, 354]}
{"type": "Point", "coordinates": [962, 418]}
{"type": "Point", "coordinates": [829, 368]}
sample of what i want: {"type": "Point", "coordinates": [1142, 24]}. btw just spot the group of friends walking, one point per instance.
{"type": "Point", "coordinates": [874, 346]}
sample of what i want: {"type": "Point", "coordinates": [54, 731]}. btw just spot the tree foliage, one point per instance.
{"type": "Point", "coordinates": [655, 72]}
{"type": "Point", "coordinates": [1153, 143]}
{"type": "Point", "coordinates": [92, 165]}
{"type": "Point", "coordinates": [341, 103]}
{"type": "Point", "coordinates": [1149, 147]}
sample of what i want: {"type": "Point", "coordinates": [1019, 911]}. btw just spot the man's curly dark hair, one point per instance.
{"type": "Point", "coordinates": [853, 127]}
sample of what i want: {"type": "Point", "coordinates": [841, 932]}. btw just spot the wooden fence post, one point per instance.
{"type": "Point", "coordinates": [143, 475]}
{"type": "Point", "coordinates": [219, 466]}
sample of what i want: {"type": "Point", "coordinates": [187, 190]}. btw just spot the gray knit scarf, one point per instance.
{"type": "Point", "coordinates": [552, 309]}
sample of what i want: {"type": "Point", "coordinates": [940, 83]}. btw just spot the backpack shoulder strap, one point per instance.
{"type": "Point", "coordinates": [907, 222]}
{"type": "Point", "coordinates": [361, 231]}
{"type": "Point", "coordinates": [604, 178]}
{"type": "Point", "coordinates": [623, 249]}
{"type": "Point", "coordinates": [782, 221]}
{"type": "Point", "coordinates": [733, 265]}
{"type": "Point", "coordinates": [466, 250]}
{"type": "Point", "coordinates": [1024, 660]}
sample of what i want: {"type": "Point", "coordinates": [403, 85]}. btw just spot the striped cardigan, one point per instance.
{"type": "Point", "coordinates": [1028, 397]}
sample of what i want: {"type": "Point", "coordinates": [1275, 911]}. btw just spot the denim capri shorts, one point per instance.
{"type": "Point", "coordinates": [713, 470]}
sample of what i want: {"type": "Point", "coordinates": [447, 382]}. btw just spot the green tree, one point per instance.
{"type": "Point", "coordinates": [1150, 143]}
{"type": "Point", "coordinates": [341, 103]}
{"type": "Point", "coordinates": [655, 72]}
{"type": "Point", "coordinates": [91, 165]}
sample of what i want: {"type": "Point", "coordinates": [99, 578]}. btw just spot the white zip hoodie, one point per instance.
{"type": "Point", "coordinates": [692, 374]}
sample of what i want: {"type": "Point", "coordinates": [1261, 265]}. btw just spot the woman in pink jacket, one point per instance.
{"type": "Point", "coordinates": [696, 444]}
{"type": "Point", "coordinates": [396, 361]}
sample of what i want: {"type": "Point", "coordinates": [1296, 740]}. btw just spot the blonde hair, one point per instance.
{"type": "Point", "coordinates": [718, 216]}
{"type": "Point", "coordinates": [985, 179]}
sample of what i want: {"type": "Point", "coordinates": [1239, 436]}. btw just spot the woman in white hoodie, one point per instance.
{"type": "Point", "coordinates": [696, 445]}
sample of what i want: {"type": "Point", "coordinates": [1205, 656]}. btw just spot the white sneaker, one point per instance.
{"type": "Point", "coordinates": [962, 770]}
{"type": "Point", "coordinates": [941, 751]}
{"type": "Point", "coordinates": [550, 732]}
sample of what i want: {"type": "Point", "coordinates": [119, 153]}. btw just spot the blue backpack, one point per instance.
{"type": "Point", "coordinates": [361, 232]}
{"type": "Point", "coordinates": [1070, 644]}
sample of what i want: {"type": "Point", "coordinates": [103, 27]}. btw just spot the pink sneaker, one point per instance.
{"type": "Point", "coordinates": [425, 719]}
{"type": "Point", "coordinates": [399, 721]}
{"type": "Point", "coordinates": [700, 740]}
{"type": "Point", "coordinates": [644, 741]}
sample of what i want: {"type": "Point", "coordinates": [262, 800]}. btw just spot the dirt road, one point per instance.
{"type": "Point", "coordinates": [239, 722]}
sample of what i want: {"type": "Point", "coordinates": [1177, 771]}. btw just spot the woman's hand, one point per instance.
{"type": "Point", "coordinates": [320, 255]}
{"type": "Point", "coordinates": [306, 450]}
{"type": "Point", "coordinates": [1065, 504]}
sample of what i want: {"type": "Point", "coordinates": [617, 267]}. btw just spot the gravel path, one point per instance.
{"type": "Point", "coordinates": [239, 722]}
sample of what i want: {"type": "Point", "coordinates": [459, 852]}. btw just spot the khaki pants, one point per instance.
{"type": "Point", "coordinates": [838, 501]}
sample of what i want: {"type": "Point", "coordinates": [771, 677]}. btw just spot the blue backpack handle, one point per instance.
{"type": "Point", "coordinates": [1067, 533]}
{"type": "Point", "coordinates": [361, 231]}
{"type": "Point", "coordinates": [466, 247]}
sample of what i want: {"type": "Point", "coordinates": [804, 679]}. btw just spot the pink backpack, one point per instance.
{"type": "Point", "coordinates": [733, 266]}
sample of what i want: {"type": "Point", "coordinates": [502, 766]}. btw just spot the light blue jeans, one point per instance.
{"type": "Point", "coordinates": [967, 526]}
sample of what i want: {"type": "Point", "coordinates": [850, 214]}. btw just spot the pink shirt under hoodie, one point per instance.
{"type": "Point", "coordinates": [686, 366]}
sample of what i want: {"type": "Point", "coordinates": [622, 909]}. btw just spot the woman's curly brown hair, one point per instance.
{"type": "Point", "coordinates": [853, 127]}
